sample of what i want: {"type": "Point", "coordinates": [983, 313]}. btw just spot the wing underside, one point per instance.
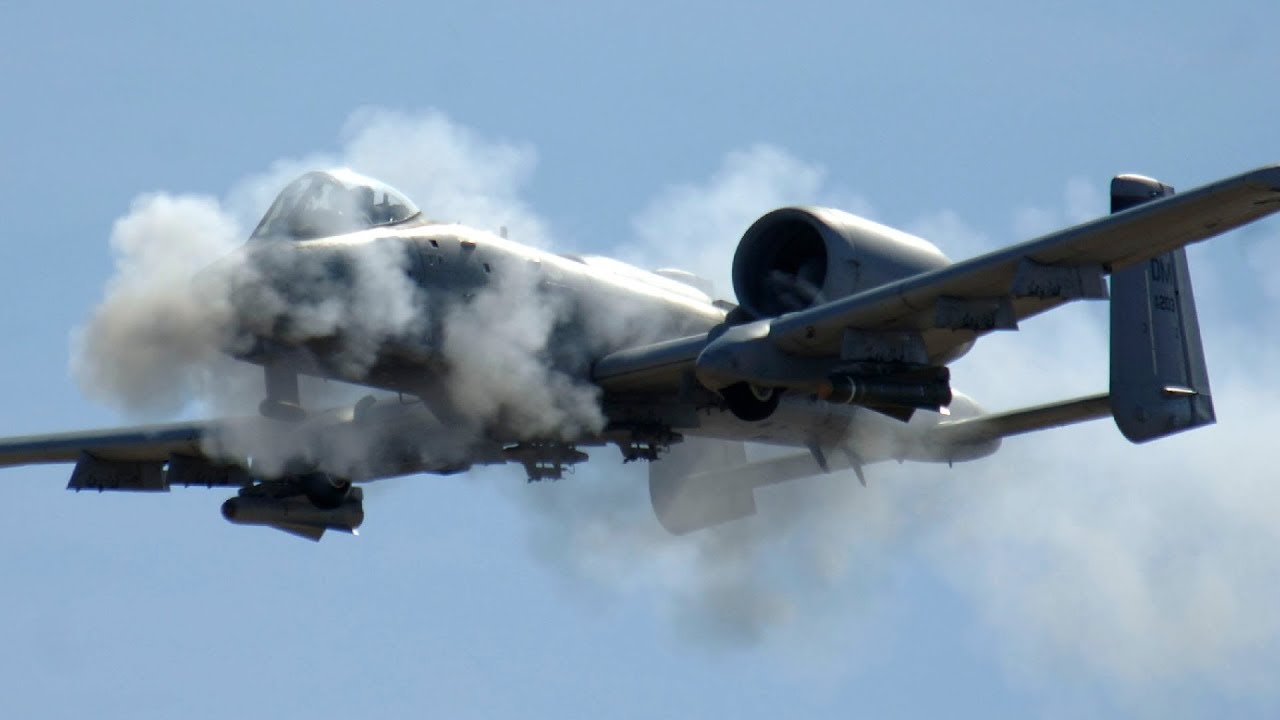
{"type": "Point", "coordinates": [139, 444]}
{"type": "Point", "coordinates": [144, 458]}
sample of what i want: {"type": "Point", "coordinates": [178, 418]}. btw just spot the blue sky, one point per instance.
{"type": "Point", "coordinates": [1071, 573]}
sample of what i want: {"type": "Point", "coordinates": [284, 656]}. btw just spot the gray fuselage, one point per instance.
{"type": "Point", "coordinates": [585, 308]}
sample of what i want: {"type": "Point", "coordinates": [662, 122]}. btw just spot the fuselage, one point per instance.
{"type": "Point", "coordinates": [595, 306]}
{"type": "Point", "coordinates": [463, 282]}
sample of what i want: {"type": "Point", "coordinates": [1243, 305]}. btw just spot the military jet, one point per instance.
{"type": "Point", "coordinates": [837, 345]}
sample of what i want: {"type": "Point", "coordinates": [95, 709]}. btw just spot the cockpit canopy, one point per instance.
{"type": "Point", "coordinates": [332, 202]}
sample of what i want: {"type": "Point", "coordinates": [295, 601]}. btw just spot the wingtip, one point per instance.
{"type": "Point", "coordinates": [1267, 175]}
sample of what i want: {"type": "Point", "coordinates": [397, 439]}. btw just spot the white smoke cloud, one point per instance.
{"type": "Point", "coordinates": [767, 577]}
{"type": "Point", "coordinates": [696, 227]}
{"type": "Point", "coordinates": [456, 174]}
{"type": "Point", "coordinates": [1146, 568]}
{"type": "Point", "coordinates": [501, 370]}
{"type": "Point", "coordinates": [149, 346]}
{"type": "Point", "coordinates": [154, 346]}
{"type": "Point", "coordinates": [448, 170]}
{"type": "Point", "coordinates": [1141, 568]}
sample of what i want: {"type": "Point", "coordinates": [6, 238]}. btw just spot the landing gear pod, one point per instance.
{"type": "Point", "coordinates": [751, 403]}
{"type": "Point", "coordinates": [1159, 382]}
{"type": "Point", "coordinates": [296, 514]}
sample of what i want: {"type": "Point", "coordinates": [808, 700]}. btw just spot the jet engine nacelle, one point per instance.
{"type": "Point", "coordinates": [797, 257]}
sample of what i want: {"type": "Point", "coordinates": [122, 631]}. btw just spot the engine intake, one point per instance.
{"type": "Point", "coordinates": [797, 257]}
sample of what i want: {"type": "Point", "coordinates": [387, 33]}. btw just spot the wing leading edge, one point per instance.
{"type": "Point", "coordinates": [996, 426]}
{"type": "Point", "coordinates": [143, 458]}
{"type": "Point", "coordinates": [149, 443]}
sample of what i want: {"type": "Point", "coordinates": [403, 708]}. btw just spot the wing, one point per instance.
{"type": "Point", "coordinates": [361, 443]}
{"type": "Point", "coordinates": [995, 426]}
{"type": "Point", "coordinates": [294, 476]}
{"type": "Point", "coordinates": [951, 306]}
{"type": "Point", "coordinates": [995, 291]}
{"type": "Point", "coordinates": [384, 440]}
{"type": "Point", "coordinates": [149, 443]}
{"type": "Point", "coordinates": [147, 457]}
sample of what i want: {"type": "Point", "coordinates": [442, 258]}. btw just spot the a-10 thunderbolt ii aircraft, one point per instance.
{"type": "Point", "coordinates": [838, 346]}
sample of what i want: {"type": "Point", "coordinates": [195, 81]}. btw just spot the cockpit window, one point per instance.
{"type": "Point", "coordinates": [330, 203]}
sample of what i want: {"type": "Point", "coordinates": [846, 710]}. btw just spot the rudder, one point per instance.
{"type": "Point", "coordinates": [1159, 381]}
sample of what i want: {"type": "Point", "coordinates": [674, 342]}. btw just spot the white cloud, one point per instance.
{"type": "Point", "coordinates": [696, 225]}
{"type": "Point", "coordinates": [1082, 200]}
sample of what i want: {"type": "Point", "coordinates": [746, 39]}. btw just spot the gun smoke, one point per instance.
{"type": "Point", "coordinates": [1137, 567]}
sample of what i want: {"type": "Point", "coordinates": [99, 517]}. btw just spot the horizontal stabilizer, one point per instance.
{"type": "Point", "coordinates": [985, 428]}
{"type": "Point", "coordinates": [711, 482]}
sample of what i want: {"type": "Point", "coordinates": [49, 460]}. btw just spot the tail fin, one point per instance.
{"type": "Point", "coordinates": [1159, 383]}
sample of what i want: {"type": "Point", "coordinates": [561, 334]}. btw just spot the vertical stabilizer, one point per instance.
{"type": "Point", "coordinates": [1159, 383]}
